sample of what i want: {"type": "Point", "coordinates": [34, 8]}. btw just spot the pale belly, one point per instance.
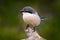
{"type": "Point", "coordinates": [31, 19]}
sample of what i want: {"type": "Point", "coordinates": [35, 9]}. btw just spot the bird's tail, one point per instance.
{"type": "Point", "coordinates": [43, 18]}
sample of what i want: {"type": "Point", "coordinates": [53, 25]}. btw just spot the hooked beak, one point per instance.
{"type": "Point", "coordinates": [20, 11]}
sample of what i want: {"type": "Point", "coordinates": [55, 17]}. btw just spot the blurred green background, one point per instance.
{"type": "Point", "coordinates": [12, 25]}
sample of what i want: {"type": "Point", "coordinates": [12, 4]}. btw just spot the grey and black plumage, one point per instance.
{"type": "Point", "coordinates": [30, 17]}
{"type": "Point", "coordinates": [28, 9]}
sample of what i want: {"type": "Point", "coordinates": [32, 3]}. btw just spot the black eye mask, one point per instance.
{"type": "Point", "coordinates": [28, 12]}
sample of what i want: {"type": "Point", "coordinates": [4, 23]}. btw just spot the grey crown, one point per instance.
{"type": "Point", "coordinates": [28, 9]}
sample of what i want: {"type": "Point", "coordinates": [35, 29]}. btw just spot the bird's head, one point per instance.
{"type": "Point", "coordinates": [28, 9]}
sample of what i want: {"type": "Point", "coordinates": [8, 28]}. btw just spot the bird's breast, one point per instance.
{"type": "Point", "coordinates": [31, 19]}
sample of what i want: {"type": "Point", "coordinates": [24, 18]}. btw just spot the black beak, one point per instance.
{"type": "Point", "coordinates": [20, 11]}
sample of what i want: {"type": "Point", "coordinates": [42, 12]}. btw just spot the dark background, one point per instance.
{"type": "Point", "coordinates": [11, 23]}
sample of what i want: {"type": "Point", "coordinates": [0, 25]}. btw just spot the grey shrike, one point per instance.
{"type": "Point", "coordinates": [30, 17]}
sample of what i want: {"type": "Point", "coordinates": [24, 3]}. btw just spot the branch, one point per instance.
{"type": "Point", "coordinates": [32, 35]}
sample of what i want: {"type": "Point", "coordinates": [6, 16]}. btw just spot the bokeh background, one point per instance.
{"type": "Point", "coordinates": [11, 23]}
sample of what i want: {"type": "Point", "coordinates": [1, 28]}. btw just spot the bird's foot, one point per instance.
{"type": "Point", "coordinates": [27, 26]}
{"type": "Point", "coordinates": [34, 29]}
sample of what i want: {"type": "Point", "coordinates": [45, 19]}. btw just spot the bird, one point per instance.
{"type": "Point", "coordinates": [30, 17]}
